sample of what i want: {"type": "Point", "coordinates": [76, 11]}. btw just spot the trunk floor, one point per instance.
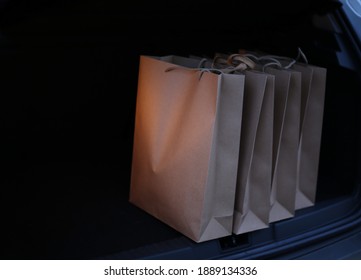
{"type": "Point", "coordinates": [75, 211]}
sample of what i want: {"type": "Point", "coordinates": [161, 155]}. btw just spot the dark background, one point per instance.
{"type": "Point", "coordinates": [68, 86]}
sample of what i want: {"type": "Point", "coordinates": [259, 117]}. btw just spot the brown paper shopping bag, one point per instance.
{"type": "Point", "coordinates": [285, 146]}
{"type": "Point", "coordinates": [252, 204]}
{"type": "Point", "coordinates": [186, 146]}
{"type": "Point", "coordinates": [312, 106]}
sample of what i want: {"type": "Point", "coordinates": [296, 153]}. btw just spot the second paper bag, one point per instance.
{"type": "Point", "coordinates": [186, 146]}
{"type": "Point", "coordinates": [252, 205]}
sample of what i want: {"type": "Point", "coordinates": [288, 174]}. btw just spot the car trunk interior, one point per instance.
{"type": "Point", "coordinates": [69, 73]}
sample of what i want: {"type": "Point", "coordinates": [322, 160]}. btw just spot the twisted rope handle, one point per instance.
{"type": "Point", "coordinates": [275, 60]}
